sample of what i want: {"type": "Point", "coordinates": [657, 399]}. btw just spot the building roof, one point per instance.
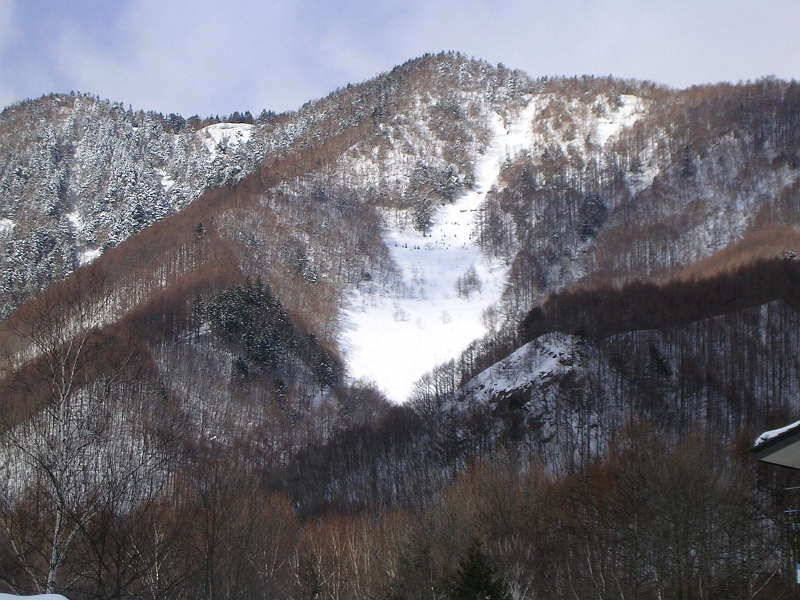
{"type": "Point", "coordinates": [780, 446]}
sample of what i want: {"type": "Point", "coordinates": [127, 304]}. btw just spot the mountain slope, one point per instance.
{"type": "Point", "coordinates": [615, 181]}
{"type": "Point", "coordinates": [194, 312]}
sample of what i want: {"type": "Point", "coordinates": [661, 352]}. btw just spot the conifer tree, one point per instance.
{"type": "Point", "coordinates": [475, 578]}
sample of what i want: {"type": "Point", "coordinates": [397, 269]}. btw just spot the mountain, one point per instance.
{"type": "Point", "coordinates": [550, 272]}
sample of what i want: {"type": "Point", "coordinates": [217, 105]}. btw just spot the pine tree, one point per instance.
{"type": "Point", "coordinates": [475, 578]}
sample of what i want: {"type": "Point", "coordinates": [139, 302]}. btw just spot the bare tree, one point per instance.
{"type": "Point", "coordinates": [69, 444]}
{"type": "Point", "coordinates": [468, 283]}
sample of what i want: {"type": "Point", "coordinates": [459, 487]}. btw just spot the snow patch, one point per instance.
{"type": "Point", "coordinates": [631, 109]}
{"type": "Point", "coordinates": [221, 136]}
{"type": "Point", "coordinates": [6, 225]}
{"type": "Point", "coordinates": [536, 360]}
{"type": "Point", "coordinates": [394, 335]}
{"type": "Point", "coordinates": [166, 180]}
{"type": "Point", "coordinates": [75, 220]}
{"type": "Point", "coordinates": [87, 256]}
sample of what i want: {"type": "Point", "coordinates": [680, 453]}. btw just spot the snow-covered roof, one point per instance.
{"type": "Point", "coordinates": [39, 597]}
{"type": "Point", "coordinates": [770, 435]}
{"type": "Point", "coordinates": [780, 446]}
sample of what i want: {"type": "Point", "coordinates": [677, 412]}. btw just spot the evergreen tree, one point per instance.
{"type": "Point", "coordinates": [475, 578]}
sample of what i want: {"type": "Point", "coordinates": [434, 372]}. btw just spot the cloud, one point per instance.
{"type": "Point", "coordinates": [202, 57]}
{"type": "Point", "coordinates": [7, 94]}
{"type": "Point", "coordinates": [182, 56]}
{"type": "Point", "coordinates": [6, 9]}
{"type": "Point", "coordinates": [206, 57]}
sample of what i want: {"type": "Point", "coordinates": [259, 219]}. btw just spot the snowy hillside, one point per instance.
{"type": "Point", "coordinates": [394, 334]}
{"type": "Point", "coordinates": [533, 364]}
{"type": "Point", "coordinates": [451, 287]}
{"type": "Point", "coordinates": [79, 175]}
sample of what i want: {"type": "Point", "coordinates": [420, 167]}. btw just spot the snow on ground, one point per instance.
{"type": "Point", "coordinates": [629, 112]}
{"type": "Point", "coordinates": [222, 135]}
{"type": "Point", "coordinates": [85, 255]}
{"type": "Point", "coordinates": [6, 225]}
{"type": "Point", "coordinates": [75, 220]}
{"type": "Point", "coordinates": [166, 181]}
{"type": "Point", "coordinates": [394, 336]}
{"type": "Point", "coordinates": [536, 360]}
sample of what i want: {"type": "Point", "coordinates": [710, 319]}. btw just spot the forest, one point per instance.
{"type": "Point", "coordinates": [177, 418]}
{"type": "Point", "coordinates": [357, 498]}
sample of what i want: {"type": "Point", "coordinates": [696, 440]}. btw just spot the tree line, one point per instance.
{"type": "Point", "coordinates": [600, 313]}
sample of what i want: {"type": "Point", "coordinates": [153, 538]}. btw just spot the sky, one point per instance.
{"type": "Point", "coordinates": [209, 57]}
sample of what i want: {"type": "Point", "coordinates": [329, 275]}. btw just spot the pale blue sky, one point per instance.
{"type": "Point", "coordinates": [213, 57]}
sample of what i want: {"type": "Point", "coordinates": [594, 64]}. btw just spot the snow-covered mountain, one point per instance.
{"type": "Point", "coordinates": [532, 264]}
{"type": "Point", "coordinates": [435, 204]}
{"type": "Point", "coordinates": [79, 175]}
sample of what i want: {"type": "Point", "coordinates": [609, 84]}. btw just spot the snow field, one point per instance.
{"type": "Point", "coordinates": [394, 336]}
{"type": "Point", "coordinates": [223, 134]}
